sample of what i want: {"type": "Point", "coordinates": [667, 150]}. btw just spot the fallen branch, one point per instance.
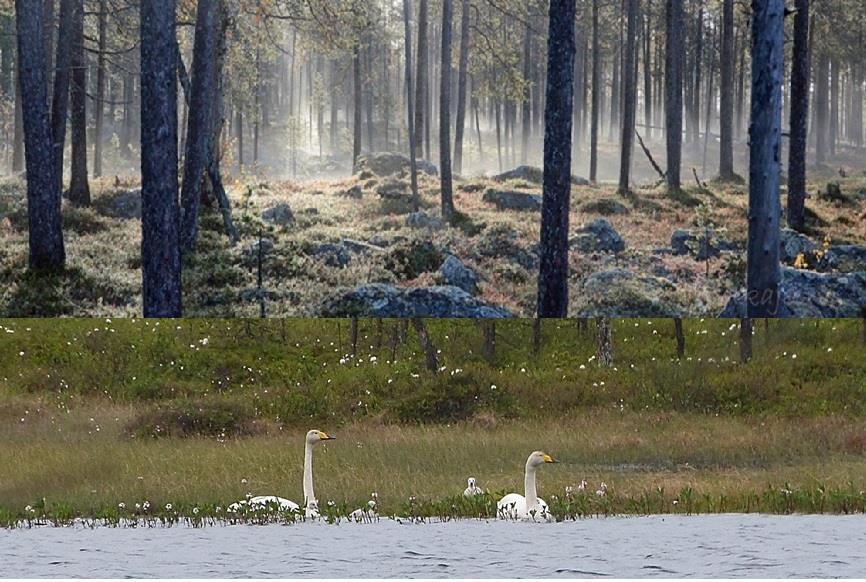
{"type": "Point", "coordinates": [650, 156]}
{"type": "Point", "coordinates": [701, 185]}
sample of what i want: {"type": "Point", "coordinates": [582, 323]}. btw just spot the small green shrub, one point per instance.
{"type": "Point", "coordinates": [194, 418]}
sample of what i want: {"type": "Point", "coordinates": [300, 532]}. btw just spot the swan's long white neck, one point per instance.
{"type": "Point", "coordinates": [309, 496]}
{"type": "Point", "coordinates": [529, 486]}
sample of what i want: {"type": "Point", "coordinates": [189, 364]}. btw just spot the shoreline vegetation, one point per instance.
{"type": "Point", "coordinates": [192, 415]}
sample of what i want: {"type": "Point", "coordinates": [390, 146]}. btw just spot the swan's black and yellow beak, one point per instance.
{"type": "Point", "coordinates": [549, 459]}
{"type": "Point", "coordinates": [325, 437]}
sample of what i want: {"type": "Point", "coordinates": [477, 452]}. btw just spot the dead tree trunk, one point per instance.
{"type": "Point", "coordinates": [745, 340]}
{"type": "Point", "coordinates": [430, 358]}
{"type": "Point", "coordinates": [604, 343]}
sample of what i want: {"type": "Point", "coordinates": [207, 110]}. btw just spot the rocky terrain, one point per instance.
{"type": "Point", "coordinates": [354, 246]}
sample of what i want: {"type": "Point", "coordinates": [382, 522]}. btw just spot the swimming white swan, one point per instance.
{"type": "Point", "coordinates": [472, 490]}
{"type": "Point", "coordinates": [531, 507]}
{"type": "Point", "coordinates": [311, 506]}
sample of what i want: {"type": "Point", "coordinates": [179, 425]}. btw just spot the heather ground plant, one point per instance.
{"type": "Point", "coordinates": [305, 261]}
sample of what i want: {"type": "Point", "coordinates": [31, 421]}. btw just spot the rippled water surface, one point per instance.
{"type": "Point", "coordinates": [664, 546]}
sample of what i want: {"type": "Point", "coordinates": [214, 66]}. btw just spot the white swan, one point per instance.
{"type": "Point", "coordinates": [369, 513]}
{"type": "Point", "coordinates": [517, 507]}
{"type": "Point", "coordinates": [472, 490]}
{"type": "Point", "coordinates": [311, 506]}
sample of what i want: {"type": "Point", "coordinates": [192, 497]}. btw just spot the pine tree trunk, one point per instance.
{"type": "Point", "coordinates": [79, 189]}
{"type": "Point", "coordinates": [822, 108]}
{"type": "Point", "coordinates": [629, 101]}
{"type": "Point", "coordinates": [200, 122]}
{"type": "Point", "coordinates": [60, 101]}
{"type": "Point", "coordinates": [445, 114]}
{"type": "Point", "coordinates": [597, 90]}
{"type": "Point", "coordinates": [421, 78]}
{"type": "Point", "coordinates": [726, 116]}
{"type": "Point", "coordinates": [800, 80]}
{"type": "Point", "coordinates": [357, 90]}
{"type": "Point", "coordinates": [462, 76]}
{"type": "Point", "coordinates": [553, 271]}
{"type": "Point", "coordinates": [100, 90]}
{"type": "Point", "coordinates": [410, 103]}
{"type": "Point", "coordinates": [43, 187]}
{"type": "Point", "coordinates": [525, 104]}
{"type": "Point", "coordinates": [763, 271]}
{"type": "Point", "coordinates": [674, 52]}
{"type": "Point", "coordinates": [160, 211]}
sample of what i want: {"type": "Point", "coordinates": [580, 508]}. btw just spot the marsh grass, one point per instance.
{"type": "Point", "coordinates": [652, 463]}
{"type": "Point", "coordinates": [786, 432]}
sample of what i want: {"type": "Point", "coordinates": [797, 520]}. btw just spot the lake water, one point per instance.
{"type": "Point", "coordinates": [663, 546]}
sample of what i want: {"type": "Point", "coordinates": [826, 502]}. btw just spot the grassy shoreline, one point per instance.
{"type": "Point", "coordinates": [199, 413]}
{"type": "Point", "coordinates": [652, 463]}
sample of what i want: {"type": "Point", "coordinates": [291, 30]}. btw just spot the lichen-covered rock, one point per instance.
{"type": "Point", "coordinates": [621, 293]}
{"type": "Point", "coordinates": [410, 259]}
{"type": "Point", "coordinates": [391, 164]}
{"type": "Point", "coordinates": [423, 220]}
{"type": "Point", "coordinates": [125, 205]}
{"type": "Point", "coordinates": [500, 241]}
{"type": "Point", "coordinates": [533, 175]}
{"type": "Point", "coordinates": [455, 273]}
{"type": "Point", "coordinates": [511, 200]}
{"type": "Point", "coordinates": [843, 259]}
{"type": "Point", "coordinates": [530, 174]}
{"type": "Point", "coordinates": [810, 294]}
{"type": "Point", "coordinates": [355, 192]}
{"type": "Point", "coordinates": [383, 300]}
{"type": "Point", "coordinates": [605, 207]}
{"type": "Point", "coordinates": [699, 244]}
{"type": "Point", "coordinates": [792, 244]}
{"type": "Point", "coordinates": [393, 190]}
{"type": "Point", "coordinates": [340, 254]}
{"type": "Point", "coordinates": [597, 236]}
{"type": "Point", "coordinates": [332, 254]}
{"type": "Point", "coordinates": [281, 215]}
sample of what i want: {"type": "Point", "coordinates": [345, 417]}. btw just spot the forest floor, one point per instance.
{"type": "Point", "coordinates": [323, 238]}
{"type": "Point", "coordinates": [200, 412]}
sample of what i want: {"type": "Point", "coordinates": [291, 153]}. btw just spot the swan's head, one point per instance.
{"type": "Point", "coordinates": [471, 482]}
{"type": "Point", "coordinates": [317, 436]}
{"type": "Point", "coordinates": [539, 458]}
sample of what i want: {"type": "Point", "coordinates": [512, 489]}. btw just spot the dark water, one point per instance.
{"type": "Point", "coordinates": [661, 546]}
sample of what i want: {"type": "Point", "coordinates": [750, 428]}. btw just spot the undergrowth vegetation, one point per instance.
{"type": "Point", "coordinates": [223, 374]}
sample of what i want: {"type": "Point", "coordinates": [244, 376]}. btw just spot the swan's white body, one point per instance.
{"type": "Point", "coordinates": [265, 502]}
{"type": "Point", "coordinates": [528, 507]}
{"type": "Point", "coordinates": [311, 506]}
{"type": "Point", "coordinates": [368, 513]}
{"type": "Point", "coordinates": [471, 489]}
